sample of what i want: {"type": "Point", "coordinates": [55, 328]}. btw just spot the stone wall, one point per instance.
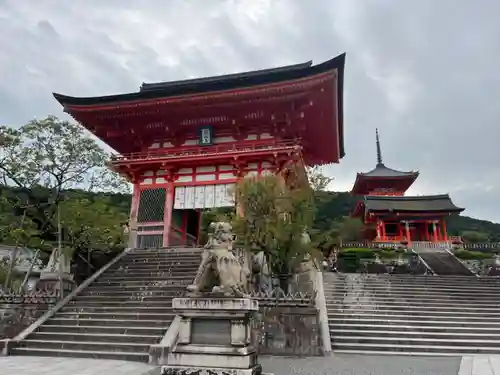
{"type": "Point", "coordinates": [18, 311]}
{"type": "Point", "coordinates": [287, 330]}
{"type": "Point", "coordinates": [15, 318]}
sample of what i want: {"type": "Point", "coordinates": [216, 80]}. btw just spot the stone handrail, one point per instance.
{"type": "Point", "coordinates": [159, 352]}
{"type": "Point", "coordinates": [461, 262]}
{"type": "Point", "coordinates": [8, 343]}
{"type": "Point", "coordinates": [323, 313]}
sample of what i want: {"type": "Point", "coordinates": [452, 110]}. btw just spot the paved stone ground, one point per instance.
{"type": "Point", "coordinates": [354, 364]}
{"type": "Point", "coordinates": [71, 366]}
{"type": "Point", "coordinates": [339, 364]}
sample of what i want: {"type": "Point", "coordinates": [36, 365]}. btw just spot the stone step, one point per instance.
{"type": "Point", "coordinates": [173, 270]}
{"type": "Point", "coordinates": [427, 348]}
{"type": "Point", "coordinates": [118, 309]}
{"type": "Point", "coordinates": [174, 279]}
{"type": "Point", "coordinates": [417, 288]}
{"type": "Point", "coordinates": [163, 273]}
{"type": "Point", "coordinates": [330, 276]}
{"type": "Point", "coordinates": [119, 316]}
{"type": "Point", "coordinates": [348, 301]}
{"type": "Point", "coordinates": [161, 257]}
{"type": "Point", "coordinates": [121, 298]}
{"type": "Point", "coordinates": [167, 293]}
{"type": "Point", "coordinates": [400, 335]}
{"type": "Point", "coordinates": [104, 329]}
{"type": "Point", "coordinates": [129, 304]}
{"type": "Point", "coordinates": [156, 264]}
{"type": "Point", "coordinates": [66, 320]}
{"type": "Point", "coordinates": [174, 284]}
{"type": "Point", "coordinates": [111, 354]}
{"type": "Point", "coordinates": [429, 295]}
{"type": "Point", "coordinates": [94, 337]}
{"type": "Point", "coordinates": [118, 288]}
{"type": "Point", "coordinates": [403, 315]}
{"type": "Point", "coordinates": [87, 345]}
{"type": "Point", "coordinates": [149, 263]}
{"type": "Point", "coordinates": [169, 250]}
{"type": "Point", "coordinates": [403, 340]}
{"type": "Point", "coordinates": [456, 310]}
{"type": "Point", "coordinates": [404, 327]}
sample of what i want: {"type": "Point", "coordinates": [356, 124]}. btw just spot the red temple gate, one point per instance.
{"type": "Point", "coordinates": [184, 144]}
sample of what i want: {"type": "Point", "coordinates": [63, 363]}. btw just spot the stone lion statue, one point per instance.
{"type": "Point", "coordinates": [220, 271]}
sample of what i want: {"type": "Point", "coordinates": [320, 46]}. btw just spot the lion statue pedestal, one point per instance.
{"type": "Point", "coordinates": [214, 336]}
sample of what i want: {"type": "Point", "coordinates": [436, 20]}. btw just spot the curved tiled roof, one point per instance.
{"type": "Point", "coordinates": [382, 171]}
{"type": "Point", "coordinates": [429, 203]}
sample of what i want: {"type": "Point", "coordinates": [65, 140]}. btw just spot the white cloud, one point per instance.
{"type": "Point", "coordinates": [424, 72]}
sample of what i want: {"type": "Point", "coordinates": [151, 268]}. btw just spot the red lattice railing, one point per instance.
{"type": "Point", "coordinates": [221, 149]}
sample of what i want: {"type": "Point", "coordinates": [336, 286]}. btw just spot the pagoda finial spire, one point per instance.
{"type": "Point", "coordinates": [379, 152]}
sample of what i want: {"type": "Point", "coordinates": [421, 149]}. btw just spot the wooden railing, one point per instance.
{"type": "Point", "coordinates": [220, 149]}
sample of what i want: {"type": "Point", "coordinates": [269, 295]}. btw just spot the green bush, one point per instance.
{"type": "Point", "coordinates": [389, 254]}
{"type": "Point", "coordinates": [472, 255]}
{"type": "Point", "coordinates": [360, 252]}
{"type": "Point", "coordinates": [349, 259]}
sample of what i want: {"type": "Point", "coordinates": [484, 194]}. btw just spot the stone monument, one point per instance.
{"type": "Point", "coordinates": [58, 270]}
{"type": "Point", "coordinates": [214, 335]}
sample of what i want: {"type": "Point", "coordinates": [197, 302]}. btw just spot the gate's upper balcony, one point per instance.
{"type": "Point", "coordinates": [214, 153]}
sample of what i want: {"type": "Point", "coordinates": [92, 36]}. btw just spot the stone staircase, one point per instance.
{"type": "Point", "coordinates": [439, 315]}
{"type": "Point", "coordinates": [442, 262]}
{"type": "Point", "coordinates": [118, 316]}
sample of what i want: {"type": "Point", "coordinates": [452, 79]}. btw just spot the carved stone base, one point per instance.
{"type": "Point", "coordinates": [53, 284]}
{"type": "Point", "coordinates": [257, 370]}
{"type": "Point", "coordinates": [214, 337]}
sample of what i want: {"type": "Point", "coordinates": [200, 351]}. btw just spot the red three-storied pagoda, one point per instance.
{"type": "Point", "coordinates": [392, 217]}
{"type": "Point", "coordinates": [184, 144]}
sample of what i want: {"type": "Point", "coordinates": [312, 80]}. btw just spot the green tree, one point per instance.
{"type": "Point", "coordinates": [274, 220]}
{"type": "Point", "coordinates": [351, 229]}
{"type": "Point", "coordinates": [475, 236]}
{"type": "Point", "coordinates": [46, 157]}
{"type": "Point", "coordinates": [317, 179]}
{"type": "Point", "coordinates": [91, 226]}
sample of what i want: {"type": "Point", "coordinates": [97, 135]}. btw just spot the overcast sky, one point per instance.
{"type": "Point", "coordinates": [425, 72]}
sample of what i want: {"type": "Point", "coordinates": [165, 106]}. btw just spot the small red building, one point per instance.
{"type": "Point", "coordinates": [184, 144]}
{"type": "Point", "coordinates": [390, 216]}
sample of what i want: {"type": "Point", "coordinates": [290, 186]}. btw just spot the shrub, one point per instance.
{"type": "Point", "coordinates": [472, 255]}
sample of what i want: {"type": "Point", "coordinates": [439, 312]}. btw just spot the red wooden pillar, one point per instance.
{"type": "Point", "coordinates": [134, 208]}
{"type": "Point", "coordinates": [408, 235]}
{"type": "Point", "coordinates": [382, 224]}
{"type": "Point", "coordinates": [443, 225]}
{"type": "Point", "coordinates": [167, 219]}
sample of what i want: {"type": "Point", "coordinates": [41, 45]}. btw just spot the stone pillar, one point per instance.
{"type": "Point", "coordinates": [214, 337]}
{"type": "Point", "coordinates": [57, 272]}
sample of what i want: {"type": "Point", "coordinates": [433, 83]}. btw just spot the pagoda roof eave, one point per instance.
{"type": "Point", "coordinates": [426, 203]}
{"type": "Point", "coordinates": [381, 171]}
{"type": "Point", "coordinates": [409, 177]}
{"type": "Point", "coordinates": [212, 84]}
